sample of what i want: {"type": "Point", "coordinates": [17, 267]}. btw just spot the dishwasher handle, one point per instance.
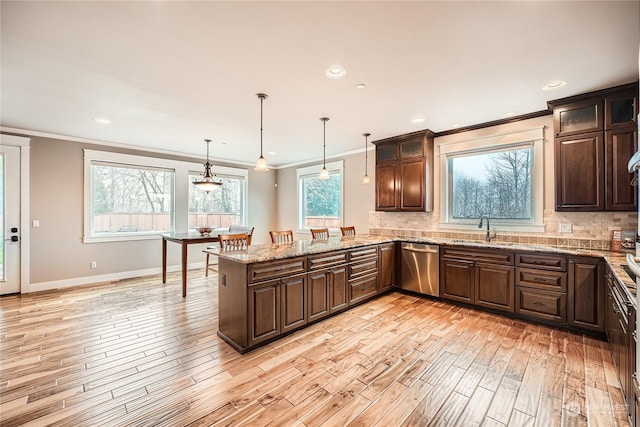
{"type": "Point", "coordinates": [428, 249]}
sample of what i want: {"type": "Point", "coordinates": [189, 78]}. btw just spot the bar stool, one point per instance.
{"type": "Point", "coordinates": [320, 233]}
{"type": "Point", "coordinates": [349, 231]}
{"type": "Point", "coordinates": [285, 236]}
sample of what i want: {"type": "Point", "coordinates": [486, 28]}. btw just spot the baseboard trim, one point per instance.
{"type": "Point", "coordinates": [110, 277]}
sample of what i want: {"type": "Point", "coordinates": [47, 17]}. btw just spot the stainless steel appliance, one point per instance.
{"type": "Point", "coordinates": [420, 268]}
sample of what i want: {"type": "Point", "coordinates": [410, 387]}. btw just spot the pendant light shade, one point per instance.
{"type": "Point", "coordinates": [365, 179]}
{"type": "Point", "coordinates": [208, 183]}
{"type": "Point", "coordinates": [324, 173]}
{"type": "Point", "coordinates": [261, 164]}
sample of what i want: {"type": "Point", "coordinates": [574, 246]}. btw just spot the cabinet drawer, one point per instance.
{"type": "Point", "coordinates": [327, 260]}
{"type": "Point", "coordinates": [541, 279]}
{"type": "Point", "coordinates": [547, 262]}
{"type": "Point", "coordinates": [363, 268]}
{"type": "Point", "coordinates": [363, 253]}
{"type": "Point", "coordinates": [363, 287]}
{"type": "Point", "coordinates": [491, 256]}
{"type": "Point", "coordinates": [541, 304]}
{"type": "Point", "coordinates": [272, 270]}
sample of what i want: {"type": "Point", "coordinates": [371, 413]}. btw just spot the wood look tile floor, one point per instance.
{"type": "Point", "coordinates": [134, 352]}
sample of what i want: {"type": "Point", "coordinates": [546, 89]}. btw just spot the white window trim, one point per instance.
{"type": "Point", "coordinates": [180, 208]}
{"type": "Point", "coordinates": [337, 166]}
{"type": "Point", "coordinates": [522, 137]}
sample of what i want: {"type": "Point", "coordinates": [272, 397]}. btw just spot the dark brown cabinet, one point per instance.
{"type": "Point", "coordinates": [580, 173]}
{"type": "Point", "coordinates": [482, 278]}
{"type": "Point", "coordinates": [404, 172]}
{"type": "Point", "coordinates": [362, 273]}
{"type": "Point", "coordinates": [387, 260]}
{"type": "Point", "coordinates": [620, 325]}
{"type": "Point", "coordinates": [586, 293]}
{"type": "Point", "coordinates": [338, 289]}
{"type": "Point", "coordinates": [264, 311]}
{"type": "Point", "coordinates": [595, 136]}
{"type": "Point", "coordinates": [620, 145]}
{"type": "Point", "coordinates": [541, 287]}
{"type": "Point", "coordinates": [293, 302]}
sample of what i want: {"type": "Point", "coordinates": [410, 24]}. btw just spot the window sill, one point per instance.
{"type": "Point", "coordinates": [528, 228]}
{"type": "Point", "coordinates": [123, 238]}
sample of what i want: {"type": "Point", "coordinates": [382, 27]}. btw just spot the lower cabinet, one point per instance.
{"type": "Point", "coordinates": [338, 289]}
{"type": "Point", "coordinates": [387, 261]}
{"type": "Point", "coordinates": [293, 290]}
{"type": "Point", "coordinates": [363, 288]}
{"type": "Point", "coordinates": [494, 287]}
{"type": "Point", "coordinates": [327, 292]}
{"type": "Point", "coordinates": [264, 311]}
{"type": "Point", "coordinates": [542, 304]}
{"type": "Point", "coordinates": [619, 326]}
{"type": "Point", "coordinates": [586, 293]}
{"type": "Point", "coordinates": [468, 277]}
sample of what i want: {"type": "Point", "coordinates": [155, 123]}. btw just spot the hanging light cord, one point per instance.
{"type": "Point", "coordinates": [366, 153]}
{"type": "Point", "coordinates": [261, 101]}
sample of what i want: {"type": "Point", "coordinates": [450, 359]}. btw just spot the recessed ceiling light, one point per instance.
{"type": "Point", "coordinates": [102, 120]}
{"type": "Point", "coordinates": [455, 125]}
{"type": "Point", "coordinates": [510, 113]}
{"type": "Point", "coordinates": [417, 120]}
{"type": "Point", "coordinates": [335, 72]}
{"type": "Point", "coordinates": [272, 153]}
{"type": "Point", "coordinates": [360, 86]}
{"type": "Point", "coordinates": [554, 85]}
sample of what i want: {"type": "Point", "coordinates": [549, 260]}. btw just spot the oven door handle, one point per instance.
{"type": "Point", "coordinates": [633, 265]}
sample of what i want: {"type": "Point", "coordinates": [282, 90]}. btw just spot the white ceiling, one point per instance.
{"type": "Point", "coordinates": [169, 74]}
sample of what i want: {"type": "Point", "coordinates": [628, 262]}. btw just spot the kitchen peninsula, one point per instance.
{"type": "Point", "coordinates": [267, 291]}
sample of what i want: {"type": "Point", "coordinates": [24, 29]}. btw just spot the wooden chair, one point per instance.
{"type": "Point", "coordinates": [234, 229]}
{"type": "Point", "coordinates": [320, 233]}
{"type": "Point", "coordinates": [348, 231]}
{"type": "Point", "coordinates": [233, 242]}
{"type": "Point", "coordinates": [279, 237]}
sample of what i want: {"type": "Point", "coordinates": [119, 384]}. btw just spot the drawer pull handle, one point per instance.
{"type": "Point", "coordinates": [539, 279]}
{"type": "Point", "coordinates": [616, 311]}
{"type": "Point", "coordinates": [541, 304]}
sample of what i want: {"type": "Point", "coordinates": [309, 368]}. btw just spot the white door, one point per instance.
{"type": "Point", "coordinates": [9, 219]}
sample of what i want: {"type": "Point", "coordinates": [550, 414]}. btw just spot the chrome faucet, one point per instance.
{"type": "Point", "coordinates": [489, 235]}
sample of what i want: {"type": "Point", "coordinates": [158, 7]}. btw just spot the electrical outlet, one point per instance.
{"type": "Point", "coordinates": [564, 228]}
{"type": "Point", "coordinates": [94, 264]}
{"type": "Point", "coordinates": [35, 223]}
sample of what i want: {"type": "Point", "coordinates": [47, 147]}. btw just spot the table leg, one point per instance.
{"type": "Point", "coordinates": [164, 260]}
{"type": "Point", "coordinates": [184, 269]}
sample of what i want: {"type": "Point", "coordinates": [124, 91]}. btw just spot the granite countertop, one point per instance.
{"type": "Point", "coordinates": [270, 252]}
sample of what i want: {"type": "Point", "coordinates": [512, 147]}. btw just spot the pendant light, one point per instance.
{"type": "Point", "coordinates": [365, 178]}
{"type": "Point", "coordinates": [261, 164]}
{"type": "Point", "coordinates": [324, 173]}
{"type": "Point", "coordinates": [207, 184]}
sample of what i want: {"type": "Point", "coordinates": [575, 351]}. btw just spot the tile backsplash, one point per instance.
{"type": "Point", "coordinates": [590, 230]}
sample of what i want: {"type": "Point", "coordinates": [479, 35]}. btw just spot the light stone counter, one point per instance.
{"type": "Point", "coordinates": [262, 253]}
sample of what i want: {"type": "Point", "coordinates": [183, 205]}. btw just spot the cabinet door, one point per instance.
{"type": "Point", "coordinates": [494, 287]}
{"type": "Point", "coordinates": [386, 277]}
{"type": "Point", "coordinates": [578, 117]}
{"type": "Point", "coordinates": [339, 290]}
{"type": "Point", "coordinates": [580, 173]}
{"type": "Point", "coordinates": [620, 145]}
{"type": "Point", "coordinates": [586, 294]}
{"type": "Point", "coordinates": [293, 303]}
{"type": "Point", "coordinates": [457, 280]}
{"type": "Point", "coordinates": [386, 187]}
{"type": "Point", "coordinates": [621, 109]}
{"type": "Point", "coordinates": [318, 294]}
{"type": "Point", "coordinates": [264, 311]}
{"type": "Point", "coordinates": [542, 304]}
{"type": "Point", "coordinates": [412, 183]}
{"type": "Point", "coordinates": [386, 153]}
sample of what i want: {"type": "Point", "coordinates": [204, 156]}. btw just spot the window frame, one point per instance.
{"type": "Point", "coordinates": [484, 145]}
{"type": "Point", "coordinates": [226, 172]}
{"type": "Point", "coordinates": [314, 170]}
{"type": "Point", "coordinates": [180, 199]}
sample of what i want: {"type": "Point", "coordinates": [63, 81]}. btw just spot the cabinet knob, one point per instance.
{"type": "Point", "coordinates": [616, 311]}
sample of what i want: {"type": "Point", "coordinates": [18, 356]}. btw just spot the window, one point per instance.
{"type": "Point", "coordinates": [320, 200]}
{"type": "Point", "coordinates": [220, 208]}
{"type": "Point", "coordinates": [131, 197]}
{"type": "Point", "coordinates": [497, 184]}
{"type": "Point", "coordinates": [500, 176]}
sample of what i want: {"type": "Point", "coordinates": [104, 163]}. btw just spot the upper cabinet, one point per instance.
{"type": "Point", "coordinates": [404, 173]}
{"type": "Point", "coordinates": [595, 136]}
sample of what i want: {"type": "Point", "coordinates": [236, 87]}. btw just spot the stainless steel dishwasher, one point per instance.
{"type": "Point", "coordinates": [420, 268]}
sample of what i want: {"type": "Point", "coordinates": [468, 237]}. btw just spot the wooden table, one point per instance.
{"type": "Point", "coordinates": [185, 239]}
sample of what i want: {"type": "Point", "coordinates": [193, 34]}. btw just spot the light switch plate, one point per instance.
{"type": "Point", "coordinates": [564, 228]}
